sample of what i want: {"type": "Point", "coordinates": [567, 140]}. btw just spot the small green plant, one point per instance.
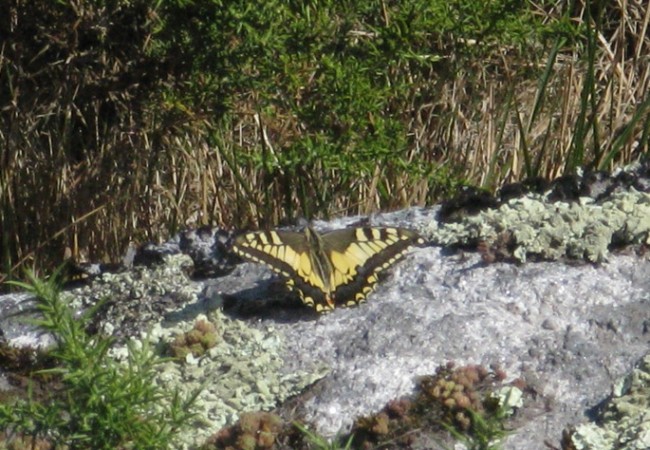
{"type": "Point", "coordinates": [320, 443]}
{"type": "Point", "coordinates": [202, 337]}
{"type": "Point", "coordinates": [257, 430]}
{"type": "Point", "coordinates": [472, 411]}
{"type": "Point", "coordinates": [486, 433]}
{"type": "Point", "coordinates": [98, 403]}
{"type": "Point", "coordinates": [469, 403]}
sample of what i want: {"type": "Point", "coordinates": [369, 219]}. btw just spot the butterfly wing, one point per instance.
{"type": "Point", "coordinates": [339, 268]}
{"type": "Point", "coordinates": [358, 256]}
{"type": "Point", "coordinates": [290, 255]}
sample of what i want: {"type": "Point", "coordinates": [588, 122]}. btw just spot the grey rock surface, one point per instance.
{"type": "Point", "coordinates": [569, 330]}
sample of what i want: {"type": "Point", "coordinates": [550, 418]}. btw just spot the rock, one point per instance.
{"type": "Point", "coordinates": [568, 330]}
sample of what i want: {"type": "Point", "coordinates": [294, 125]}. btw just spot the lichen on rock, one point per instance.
{"type": "Point", "coordinates": [625, 421]}
{"type": "Point", "coordinates": [553, 230]}
{"type": "Point", "coordinates": [241, 370]}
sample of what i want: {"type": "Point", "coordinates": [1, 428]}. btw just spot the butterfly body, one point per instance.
{"type": "Point", "coordinates": [339, 268]}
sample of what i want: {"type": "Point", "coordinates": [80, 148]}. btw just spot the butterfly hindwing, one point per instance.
{"type": "Point", "coordinates": [339, 268]}
{"type": "Point", "coordinates": [359, 255]}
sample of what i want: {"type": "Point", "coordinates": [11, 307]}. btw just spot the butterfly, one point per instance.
{"type": "Point", "coordinates": [338, 268]}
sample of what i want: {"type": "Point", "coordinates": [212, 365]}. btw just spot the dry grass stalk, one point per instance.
{"type": "Point", "coordinates": [137, 179]}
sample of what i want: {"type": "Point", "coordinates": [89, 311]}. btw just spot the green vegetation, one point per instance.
{"type": "Point", "coordinates": [320, 443]}
{"type": "Point", "coordinates": [470, 404]}
{"type": "Point", "coordinates": [470, 411]}
{"type": "Point", "coordinates": [196, 342]}
{"type": "Point", "coordinates": [92, 401]}
{"type": "Point", "coordinates": [125, 120]}
{"type": "Point", "coordinates": [268, 431]}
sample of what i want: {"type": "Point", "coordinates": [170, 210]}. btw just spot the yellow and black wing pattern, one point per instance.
{"type": "Point", "coordinates": [338, 268]}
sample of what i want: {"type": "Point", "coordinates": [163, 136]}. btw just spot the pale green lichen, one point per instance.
{"type": "Point", "coordinates": [137, 297]}
{"type": "Point", "coordinates": [243, 372]}
{"type": "Point", "coordinates": [510, 399]}
{"type": "Point", "coordinates": [553, 230]}
{"type": "Point", "coordinates": [625, 422]}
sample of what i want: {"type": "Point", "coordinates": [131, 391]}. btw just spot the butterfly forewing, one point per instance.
{"type": "Point", "coordinates": [338, 268]}
{"type": "Point", "coordinates": [289, 254]}
{"type": "Point", "coordinates": [281, 254]}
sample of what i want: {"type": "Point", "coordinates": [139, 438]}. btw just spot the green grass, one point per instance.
{"type": "Point", "coordinates": [173, 113]}
{"type": "Point", "coordinates": [320, 443]}
{"type": "Point", "coordinates": [96, 402]}
{"type": "Point", "coordinates": [486, 432]}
